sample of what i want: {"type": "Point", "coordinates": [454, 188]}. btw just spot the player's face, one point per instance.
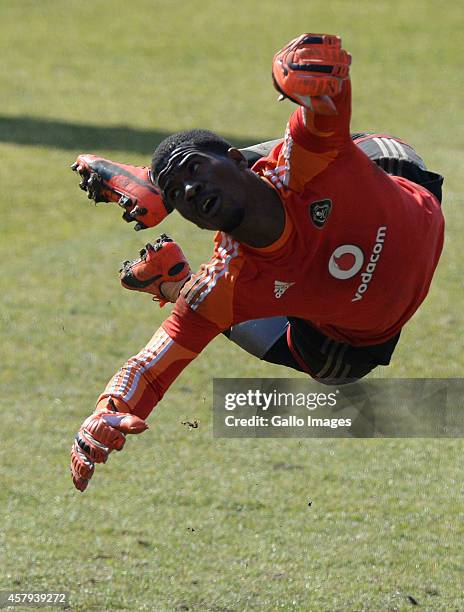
{"type": "Point", "coordinates": [208, 189]}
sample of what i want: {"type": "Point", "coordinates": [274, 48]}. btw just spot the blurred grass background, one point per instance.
{"type": "Point", "coordinates": [182, 520]}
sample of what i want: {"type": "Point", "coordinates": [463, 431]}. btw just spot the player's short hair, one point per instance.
{"type": "Point", "coordinates": [203, 140]}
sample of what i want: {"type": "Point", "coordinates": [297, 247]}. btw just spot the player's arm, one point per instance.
{"type": "Point", "coordinates": [313, 71]}
{"type": "Point", "coordinates": [201, 312]}
{"type": "Point", "coordinates": [129, 186]}
{"type": "Point", "coordinates": [135, 389]}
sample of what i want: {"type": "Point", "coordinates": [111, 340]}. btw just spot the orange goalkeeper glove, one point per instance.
{"type": "Point", "coordinates": [310, 70]}
{"type": "Point", "coordinates": [101, 433]}
{"type": "Point", "coordinates": [130, 186]}
{"type": "Point", "coordinates": [161, 270]}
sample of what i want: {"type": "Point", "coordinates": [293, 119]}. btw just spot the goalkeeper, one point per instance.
{"type": "Point", "coordinates": [321, 256]}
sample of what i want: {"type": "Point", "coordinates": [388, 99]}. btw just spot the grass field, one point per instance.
{"type": "Point", "coordinates": [181, 520]}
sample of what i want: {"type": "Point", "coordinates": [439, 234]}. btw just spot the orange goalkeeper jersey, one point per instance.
{"type": "Point", "coordinates": [356, 257]}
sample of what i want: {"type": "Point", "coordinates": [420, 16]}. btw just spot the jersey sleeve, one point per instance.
{"type": "Point", "coordinates": [203, 310]}
{"type": "Point", "coordinates": [142, 381]}
{"type": "Point", "coordinates": [312, 141]}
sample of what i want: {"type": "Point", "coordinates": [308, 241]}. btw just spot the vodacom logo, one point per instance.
{"type": "Point", "coordinates": [346, 261]}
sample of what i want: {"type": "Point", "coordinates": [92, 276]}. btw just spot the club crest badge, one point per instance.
{"type": "Point", "coordinates": [319, 212]}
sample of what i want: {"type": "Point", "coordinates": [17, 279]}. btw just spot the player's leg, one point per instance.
{"type": "Point", "coordinates": [265, 339]}
{"type": "Point", "coordinates": [296, 344]}
{"type": "Point", "coordinates": [262, 149]}
{"type": "Point", "coordinates": [399, 158]}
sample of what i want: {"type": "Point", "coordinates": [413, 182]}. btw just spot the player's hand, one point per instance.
{"type": "Point", "coordinates": [310, 70]}
{"type": "Point", "coordinates": [161, 270]}
{"type": "Point", "coordinates": [100, 433]}
{"type": "Point", "coordinates": [130, 186]}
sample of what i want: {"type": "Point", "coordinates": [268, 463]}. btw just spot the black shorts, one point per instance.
{"type": "Point", "coordinates": [333, 362]}
{"type": "Point", "coordinates": [306, 349]}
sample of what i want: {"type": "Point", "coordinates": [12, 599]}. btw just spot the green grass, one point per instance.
{"type": "Point", "coordinates": [182, 520]}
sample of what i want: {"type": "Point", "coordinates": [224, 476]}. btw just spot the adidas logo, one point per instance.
{"type": "Point", "coordinates": [280, 288]}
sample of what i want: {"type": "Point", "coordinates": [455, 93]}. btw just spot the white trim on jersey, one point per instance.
{"type": "Point", "coordinates": [213, 266]}
{"type": "Point", "coordinates": [274, 178]}
{"type": "Point", "coordinates": [139, 364]}
{"type": "Point", "coordinates": [227, 251]}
